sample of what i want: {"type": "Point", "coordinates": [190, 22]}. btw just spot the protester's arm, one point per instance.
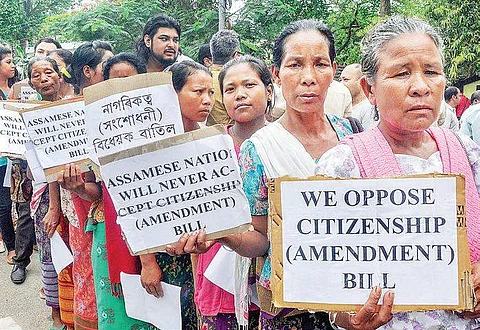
{"type": "Point", "coordinates": [71, 179]}
{"type": "Point", "coordinates": [151, 275]}
{"type": "Point", "coordinates": [370, 316]}
{"type": "Point", "coordinates": [253, 243]}
{"type": "Point", "coordinates": [52, 218]}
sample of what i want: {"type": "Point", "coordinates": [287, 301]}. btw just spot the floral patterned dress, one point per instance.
{"type": "Point", "coordinates": [177, 270]}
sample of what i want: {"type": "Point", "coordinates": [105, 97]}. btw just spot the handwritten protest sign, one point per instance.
{"type": "Point", "coordinates": [175, 186]}
{"type": "Point", "coordinates": [128, 112]}
{"type": "Point", "coordinates": [23, 91]}
{"type": "Point", "coordinates": [398, 233]}
{"type": "Point", "coordinates": [58, 133]}
{"type": "Point", "coordinates": [13, 134]}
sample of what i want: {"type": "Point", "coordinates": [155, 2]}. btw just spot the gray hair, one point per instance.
{"type": "Point", "coordinates": [223, 46]}
{"type": "Point", "coordinates": [372, 44]}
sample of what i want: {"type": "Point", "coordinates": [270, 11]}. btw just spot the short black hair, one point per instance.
{"type": "Point", "coordinates": [223, 45]}
{"type": "Point", "coordinates": [302, 25]}
{"type": "Point", "coordinates": [4, 51]}
{"type": "Point", "coordinates": [182, 70]}
{"type": "Point", "coordinates": [475, 96]}
{"type": "Point", "coordinates": [151, 28]}
{"type": "Point", "coordinates": [128, 57]}
{"type": "Point", "coordinates": [48, 41]}
{"type": "Point", "coordinates": [451, 92]}
{"type": "Point", "coordinates": [204, 51]}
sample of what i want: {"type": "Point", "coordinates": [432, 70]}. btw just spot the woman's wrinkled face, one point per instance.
{"type": "Point", "coordinates": [45, 80]}
{"type": "Point", "coordinates": [408, 87]}
{"type": "Point", "coordinates": [306, 71]}
{"type": "Point", "coordinates": [7, 67]}
{"type": "Point", "coordinates": [244, 95]}
{"type": "Point", "coordinates": [196, 97]}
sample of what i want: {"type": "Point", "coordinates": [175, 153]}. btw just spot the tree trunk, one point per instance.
{"type": "Point", "coordinates": [27, 6]}
{"type": "Point", "coordinates": [221, 15]}
{"type": "Point", "coordinates": [385, 8]}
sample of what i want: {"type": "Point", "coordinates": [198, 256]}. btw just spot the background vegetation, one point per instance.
{"type": "Point", "coordinates": [258, 22]}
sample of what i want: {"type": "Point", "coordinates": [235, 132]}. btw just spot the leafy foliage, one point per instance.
{"type": "Point", "coordinates": [459, 23]}
{"type": "Point", "coordinates": [258, 22]}
{"type": "Point", "coordinates": [122, 21]}
{"type": "Point", "coordinates": [21, 19]}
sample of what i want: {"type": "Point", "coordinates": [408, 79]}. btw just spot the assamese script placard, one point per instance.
{"type": "Point", "coordinates": [13, 134]}
{"type": "Point", "coordinates": [127, 112]}
{"type": "Point", "coordinates": [334, 240]}
{"type": "Point", "coordinates": [58, 132]}
{"type": "Point", "coordinates": [175, 186]}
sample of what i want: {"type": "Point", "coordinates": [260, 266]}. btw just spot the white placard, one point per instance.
{"type": "Point", "coordinates": [26, 92]}
{"type": "Point", "coordinates": [133, 118]}
{"type": "Point", "coordinates": [162, 194]}
{"type": "Point", "coordinates": [13, 134]}
{"type": "Point", "coordinates": [33, 163]}
{"type": "Point", "coordinates": [58, 133]}
{"type": "Point", "coordinates": [400, 234]}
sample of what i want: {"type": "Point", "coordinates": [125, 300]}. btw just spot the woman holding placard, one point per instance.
{"type": "Point", "coordinates": [110, 303]}
{"type": "Point", "coordinates": [194, 86]}
{"type": "Point", "coordinates": [246, 84]}
{"type": "Point", "coordinates": [304, 65]}
{"type": "Point", "coordinates": [85, 70]}
{"type": "Point", "coordinates": [44, 77]}
{"type": "Point", "coordinates": [402, 63]}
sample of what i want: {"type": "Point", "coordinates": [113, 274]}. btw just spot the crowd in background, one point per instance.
{"type": "Point", "coordinates": [292, 118]}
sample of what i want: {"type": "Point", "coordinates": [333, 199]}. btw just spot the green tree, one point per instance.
{"type": "Point", "coordinates": [21, 19]}
{"type": "Point", "coordinates": [122, 21]}
{"type": "Point", "coordinates": [259, 22]}
{"type": "Point", "coordinates": [458, 22]}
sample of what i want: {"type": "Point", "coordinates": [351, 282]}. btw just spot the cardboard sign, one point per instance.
{"type": "Point", "coordinates": [399, 233]}
{"type": "Point", "coordinates": [58, 133]}
{"type": "Point", "coordinates": [128, 112]}
{"type": "Point", "coordinates": [13, 134]}
{"type": "Point", "coordinates": [23, 91]}
{"type": "Point", "coordinates": [175, 186]}
{"type": "Point", "coordinates": [20, 106]}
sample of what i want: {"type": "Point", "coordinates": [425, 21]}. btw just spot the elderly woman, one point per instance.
{"type": "Point", "coordinates": [304, 65]}
{"type": "Point", "coordinates": [44, 76]}
{"type": "Point", "coordinates": [403, 77]}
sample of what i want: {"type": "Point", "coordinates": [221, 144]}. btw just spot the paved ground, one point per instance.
{"type": "Point", "coordinates": [22, 302]}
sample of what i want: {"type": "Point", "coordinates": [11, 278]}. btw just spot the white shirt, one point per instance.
{"type": "Point", "coordinates": [365, 112]}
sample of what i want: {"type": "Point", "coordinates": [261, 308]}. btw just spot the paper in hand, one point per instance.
{"type": "Point", "coordinates": [164, 312]}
